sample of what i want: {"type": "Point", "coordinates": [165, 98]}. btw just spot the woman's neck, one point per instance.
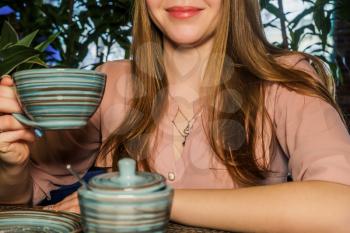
{"type": "Point", "coordinates": [185, 67]}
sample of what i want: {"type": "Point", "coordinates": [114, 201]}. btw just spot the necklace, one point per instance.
{"type": "Point", "coordinates": [186, 131]}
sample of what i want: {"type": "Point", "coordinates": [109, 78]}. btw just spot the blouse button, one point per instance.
{"type": "Point", "coordinates": [171, 176]}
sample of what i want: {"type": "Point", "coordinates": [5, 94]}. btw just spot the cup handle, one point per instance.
{"type": "Point", "coordinates": [26, 121]}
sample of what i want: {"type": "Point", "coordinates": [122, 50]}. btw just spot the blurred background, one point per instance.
{"type": "Point", "coordinates": [94, 31]}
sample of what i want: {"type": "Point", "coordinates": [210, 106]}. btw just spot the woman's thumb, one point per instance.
{"type": "Point", "coordinates": [6, 80]}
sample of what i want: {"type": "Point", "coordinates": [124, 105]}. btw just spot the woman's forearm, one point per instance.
{"type": "Point", "coordinates": [293, 207]}
{"type": "Point", "coordinates": [15, 184]}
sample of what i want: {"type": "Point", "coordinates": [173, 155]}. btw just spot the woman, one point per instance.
{"type": "Point", "coordinates": [210, 104]}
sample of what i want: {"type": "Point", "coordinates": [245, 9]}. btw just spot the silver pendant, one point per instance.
{"type": "Point", "coordinates": [186, 131]}
{"type": "Point", "coordinates": [171, 176]}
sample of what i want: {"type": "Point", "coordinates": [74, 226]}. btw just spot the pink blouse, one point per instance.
{"type": "Point", "coordinates": [312, 142]}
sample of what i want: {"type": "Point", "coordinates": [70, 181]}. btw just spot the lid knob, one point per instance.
{"type": "Point", "coordinates": [127, 168]}
{"type": "Point", "coordinates": [127, 180]}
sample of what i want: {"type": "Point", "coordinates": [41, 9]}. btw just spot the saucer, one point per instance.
{"type": "Point", "coordinates": [35, 221]}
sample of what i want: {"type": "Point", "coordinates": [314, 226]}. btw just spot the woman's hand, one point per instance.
{"type": "Point", "coordinates": [70, 204]}
{"type": "Point", "coordinates": [14, 137]}
{"type": "Point", "coordinates": [15, 183]}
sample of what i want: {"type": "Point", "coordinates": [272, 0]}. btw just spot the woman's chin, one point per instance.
{"type": "Point", "coordinates": [185, 40]}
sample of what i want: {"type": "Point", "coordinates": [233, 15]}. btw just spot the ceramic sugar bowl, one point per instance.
{"type": "Point", "coordinates": [126, 201]}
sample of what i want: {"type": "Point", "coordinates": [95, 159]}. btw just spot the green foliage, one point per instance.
{"type": "Point", "coordinates": [323, 13]}
{"type": "Point", "coordinates": [17, 54]}
{"type": "Point", "coordinates": [87, 27]}
{"type": "Point", "coordinates": [94, 28]}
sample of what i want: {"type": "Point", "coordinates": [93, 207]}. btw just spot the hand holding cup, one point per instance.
{"type": "Point", "coordinates": [44, 99]}
{"type": "Point", "coordinates": [57, 98]}
{"type": "Point", "coordinates": [14, 137]}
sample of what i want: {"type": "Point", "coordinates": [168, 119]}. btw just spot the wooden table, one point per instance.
{"type": "Point", "coordinates": [177, 228]}
{"type": "Point", "coordinates": [172, 227]}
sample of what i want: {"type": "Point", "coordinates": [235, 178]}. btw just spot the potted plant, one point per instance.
{"type": "Point", "coordinates": [17, 54]}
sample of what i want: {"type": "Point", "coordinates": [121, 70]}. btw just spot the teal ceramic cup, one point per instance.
{"type": "Point", "coordinates": [126, 201]}
{"type": "Point", "coordinates": [54, 99]}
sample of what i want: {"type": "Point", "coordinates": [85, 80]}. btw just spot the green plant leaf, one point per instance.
{"type": "Point", "coordinates": [295, 21]}
{"type": "Point", "coordinates": [8, 35]}
{"type": "Point", "coordinates": [27, 40]}
{"type": "Point", "coordinates": [275, 11]}
{"type": "Point", "coordinates": [43, 45]}
{"type": "Point", "coordinates": [29, 63]}
{"type": "Point", "coordinates": [263, 3]}
{"type": "Point", "coordinates": [36, 60]}
{"type": "Point", "coordinates": [14, 56]}
{"type": "Point", "coordinates": [298, 35]}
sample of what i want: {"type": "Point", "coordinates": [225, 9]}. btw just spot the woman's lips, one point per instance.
{"type": "Point", "coordinates": [183, 12]}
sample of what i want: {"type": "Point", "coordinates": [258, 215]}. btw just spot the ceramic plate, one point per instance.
{"type": "Point", "coordinates": [35, 221]}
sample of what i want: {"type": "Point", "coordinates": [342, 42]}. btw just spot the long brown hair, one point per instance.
{"type": "Point", "coordinates": [241, 60]}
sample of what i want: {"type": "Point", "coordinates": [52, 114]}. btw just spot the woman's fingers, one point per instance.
{"type": "Point", "coordinates": [9, 105]}
{"type": "Point", "coordinates": [9, 123]}
{"type": "Point", "coordinates": [6, 80]}
{"type": "Point", "coordinates": [70, 204]}
{"type": "Point", "coordinates": [17, 135]}
{"type": "Point", "coordinates": [14, 154]}
{"type": "Point", "coordinates": [7, 92]}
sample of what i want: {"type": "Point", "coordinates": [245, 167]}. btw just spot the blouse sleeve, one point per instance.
{"type": "Point", "coordinates": [313, 136]}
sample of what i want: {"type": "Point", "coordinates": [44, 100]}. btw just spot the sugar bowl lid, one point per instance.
{"type": "Point", "coordinates": [127, 180]}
